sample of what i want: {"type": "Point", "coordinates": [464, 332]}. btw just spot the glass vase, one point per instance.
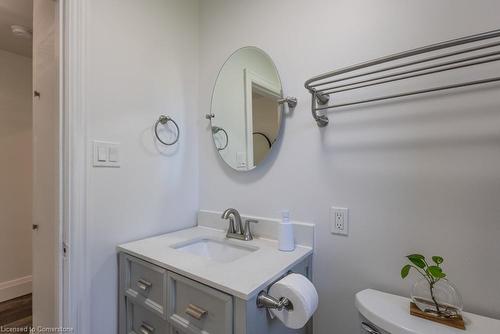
{"type": "Point", "coordinates": [441, 299]}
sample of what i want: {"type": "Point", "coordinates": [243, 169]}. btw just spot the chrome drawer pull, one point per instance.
{"type": "Point", "coordinates": [144, 285]}
{"type": "Point", "coordinates": [368, 328]}
{"type": "Point", "coordinates": [196, 312]}
{"type": "Point", "coordinates": [146, 329]}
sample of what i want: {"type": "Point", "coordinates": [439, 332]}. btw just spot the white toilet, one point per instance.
{"type": "Point", "coordinates": [384, 313]}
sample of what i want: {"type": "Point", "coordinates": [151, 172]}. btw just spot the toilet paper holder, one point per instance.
{"type": "Point", "coordinates": [265, 300]}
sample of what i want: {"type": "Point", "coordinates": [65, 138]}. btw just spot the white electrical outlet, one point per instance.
{"type": "Point", "coordinates": [339, 220]}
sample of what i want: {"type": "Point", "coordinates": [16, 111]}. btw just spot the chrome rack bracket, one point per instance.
{"type": "Point", "coordinates": [321, 99]}
{"type": "Point", "coordinates": [290, 101]}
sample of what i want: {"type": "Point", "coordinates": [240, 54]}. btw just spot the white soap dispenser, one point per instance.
{"type": "Point", "coordinates": [286, 235]}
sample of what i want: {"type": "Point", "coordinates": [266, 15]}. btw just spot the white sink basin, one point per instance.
{"type": "Point", "coordinates": [216, 250]}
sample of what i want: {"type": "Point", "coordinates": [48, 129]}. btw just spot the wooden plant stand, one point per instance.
{"type": "Point", "coordinates": [456, 322]}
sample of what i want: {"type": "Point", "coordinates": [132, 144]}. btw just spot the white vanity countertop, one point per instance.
{"type": "Point", "coordinates": [242, 278]}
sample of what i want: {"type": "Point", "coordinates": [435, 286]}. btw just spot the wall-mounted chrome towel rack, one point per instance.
{"type": "Point", "coordinates": [163, 120]}
{"type": "Point", "coordinates": [323, 88]}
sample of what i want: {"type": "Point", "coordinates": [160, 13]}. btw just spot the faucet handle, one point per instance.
{"type": "Point", "coordinates": [247, 233]}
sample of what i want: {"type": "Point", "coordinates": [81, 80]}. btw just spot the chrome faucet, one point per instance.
{"type": "Point", "coordinates": [237, 231]}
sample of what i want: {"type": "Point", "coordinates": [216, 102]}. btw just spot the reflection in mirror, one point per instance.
{"type": "Point", "coordinates": [246, 115]}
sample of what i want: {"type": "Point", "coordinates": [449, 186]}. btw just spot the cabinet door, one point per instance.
{"type": "Point", "coordinates": [46, 171]}
{"type": "Point", "coordinates": [145, 284]}
{"type": "Point", "coordinates": [195, 308]}
{"type": "Point", "coordinates": [143, 321]}
{"type": "Point", "coordinates": [176, 331]}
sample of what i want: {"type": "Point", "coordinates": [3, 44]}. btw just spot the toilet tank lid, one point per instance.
{"type": "Point", "coordinates": [391, 313]}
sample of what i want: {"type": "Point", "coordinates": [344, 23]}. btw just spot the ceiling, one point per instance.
{"type": "Point", "coordinates": [15, 12]}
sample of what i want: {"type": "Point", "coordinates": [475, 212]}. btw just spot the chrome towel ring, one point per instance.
{"type": "Point", "coordinates": [215, 130]}
{"type": "Point", "coordinates": [163, 120]}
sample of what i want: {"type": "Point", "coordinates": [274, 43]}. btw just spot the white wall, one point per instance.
{"type": "Point", "coordinates": [143, 62]}
{"type": "Point", "coordinates": [15, 174]}
{"type": "Point", "coordinates": [417, 175]}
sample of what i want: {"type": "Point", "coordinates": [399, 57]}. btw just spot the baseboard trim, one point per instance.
{"type": "Point", "coordinates": [15, 288]}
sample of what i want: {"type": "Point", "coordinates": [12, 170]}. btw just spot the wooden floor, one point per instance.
{"type": "Point", "coordinates": [16, 313]}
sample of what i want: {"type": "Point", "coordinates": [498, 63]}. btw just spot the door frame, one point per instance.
{"type": "Point", "coordinates": [255, 81]}
{"type": "Point", "coordinates": [75, 277]}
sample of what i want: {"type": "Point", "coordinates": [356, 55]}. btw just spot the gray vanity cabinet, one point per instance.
{"type": "Point", "coordinates": [153, 300]}
{"type": "Point", "coordinates": [156, 301]}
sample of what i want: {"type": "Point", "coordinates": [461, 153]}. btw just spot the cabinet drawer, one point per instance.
{"type": "Point", "coordinates": [146, 284]}
{"type": "Point", "coordinates": [142, 321]}
{"type": "Point", "coordinates": [195, 308]}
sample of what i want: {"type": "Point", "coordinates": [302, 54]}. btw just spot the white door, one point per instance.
{"type": "Point", "coordinates": [46, 175]}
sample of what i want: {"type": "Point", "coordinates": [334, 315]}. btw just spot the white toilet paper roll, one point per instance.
{"type": "Point", "coordinates": [304, 297]}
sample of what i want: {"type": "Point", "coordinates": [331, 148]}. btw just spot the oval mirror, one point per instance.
{"type": "Point", "coordinates": [246, 115]}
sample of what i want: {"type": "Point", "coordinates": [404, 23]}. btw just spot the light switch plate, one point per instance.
{"type": "Point", "coordinates": [106, 154]}
{"type": "Point", "coordinates": [339, 220]}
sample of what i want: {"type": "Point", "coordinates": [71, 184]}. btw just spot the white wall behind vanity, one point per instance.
{"type": "Point", "coordinates": [143, 62]}
{"type": "Point", "coordinates": [421, 175]}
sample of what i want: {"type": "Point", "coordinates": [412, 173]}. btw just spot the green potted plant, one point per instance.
{"type": "Point", "coordinates": [433, 293]}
